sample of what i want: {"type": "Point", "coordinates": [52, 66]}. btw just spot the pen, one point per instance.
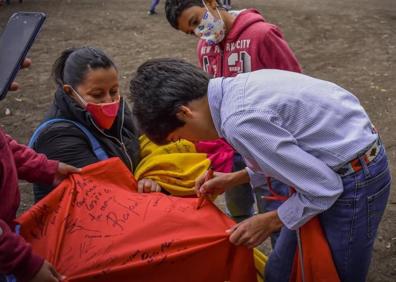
{"type": "Point", "coordinates": [201, 200]}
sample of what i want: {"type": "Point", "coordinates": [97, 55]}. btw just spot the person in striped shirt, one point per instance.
{"type": "Point", "coordinates": [326, 149]}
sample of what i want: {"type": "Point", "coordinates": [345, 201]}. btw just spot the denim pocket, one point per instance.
{"type": "Point", "coordinates": [345, 202]}
{"type": "Point", "coordinates": [376, 204]}
{"type": "Point", "coordinates": [375, 180]}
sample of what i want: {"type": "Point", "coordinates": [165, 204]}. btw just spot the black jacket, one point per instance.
{"type": "Point", "coordinates": [67, 143]}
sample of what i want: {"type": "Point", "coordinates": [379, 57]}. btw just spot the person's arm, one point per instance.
{"type": "Point", "coordinates": [30, 165]}
{"type": "Point", "coordinates": [18, 259]}
{"type": "Point", "coordinates": [275, 53]}
{"type": "Point", "coordinates": [275, 151]}
{"type": "Point", "coordinates": [16, 255]}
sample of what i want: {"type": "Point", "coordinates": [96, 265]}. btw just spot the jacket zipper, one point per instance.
{"type": "Point", "coordinates": [120, 142]}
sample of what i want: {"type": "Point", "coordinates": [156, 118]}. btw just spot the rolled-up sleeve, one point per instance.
{"type": "Point", "coordinates": [257, 136]}
{"type": "Point", "coordinates": [256, 179]}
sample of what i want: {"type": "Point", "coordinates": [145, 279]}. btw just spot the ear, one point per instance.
{"type": "Point", "coordinates": [68, 89]}
{"type": "Point", "coordinates": [184, 113]}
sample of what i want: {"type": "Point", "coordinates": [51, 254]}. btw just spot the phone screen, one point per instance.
{"type": "Point", "coordinates": [15, 42]}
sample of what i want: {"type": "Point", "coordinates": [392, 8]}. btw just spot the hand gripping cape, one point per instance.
{"type": "Point", "coordinates": [95, 227]}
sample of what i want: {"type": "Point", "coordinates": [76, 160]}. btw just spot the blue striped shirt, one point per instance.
{"type": "Point", "coordinates": [294, 128]}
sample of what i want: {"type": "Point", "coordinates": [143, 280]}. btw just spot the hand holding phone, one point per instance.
{"type": "Point", "coordinates": [25, 64]}
{"type": "Point", "coordinates": [15, 41]}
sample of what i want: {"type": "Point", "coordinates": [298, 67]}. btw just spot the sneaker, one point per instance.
{"type": "Point", "coordinates": [150, 13]}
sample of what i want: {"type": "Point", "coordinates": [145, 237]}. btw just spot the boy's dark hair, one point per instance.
{"type": "Point", "coordinates": [158, 89]}
{"type": "Point", "coordinates": [73, 64]}
{"type": "Point", "coordinates": [174, 8]}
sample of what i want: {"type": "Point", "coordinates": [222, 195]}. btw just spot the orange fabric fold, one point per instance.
{"type": "Point", "coordinates": [95, 227]}
{"type": "Point", "coordinates": [317, 258]}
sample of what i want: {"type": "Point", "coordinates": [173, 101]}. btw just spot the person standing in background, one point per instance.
{"type": "Point", "coordinates": [227, 4]}
{"type": "Point", "coordinates": [154, 4]}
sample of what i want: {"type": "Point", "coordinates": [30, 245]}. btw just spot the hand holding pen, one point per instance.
{"type": "Point", "coordinates": [202, 197]}
{"type": "Point", "coordinates": [215, 183]}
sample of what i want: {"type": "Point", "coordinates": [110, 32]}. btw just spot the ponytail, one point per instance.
{"type": "Point", "coordinates": [59, 66]}
{"type": "Point", "coordinates": [73, 64]}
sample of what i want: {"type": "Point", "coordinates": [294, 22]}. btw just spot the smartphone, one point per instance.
{"type": "Point", "coordinates": [15, 41]}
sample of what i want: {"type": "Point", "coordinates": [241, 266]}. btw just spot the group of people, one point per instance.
{"type": "Point", "coordinates": [300, 147]}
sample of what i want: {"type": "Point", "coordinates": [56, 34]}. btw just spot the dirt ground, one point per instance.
{"type": "Point", "coordinates": [349, 42]}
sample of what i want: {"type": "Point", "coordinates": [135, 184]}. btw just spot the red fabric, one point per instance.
{"type": "Point", "coordinates": [18, 161]}
{"type": "Point", "coordinates": [96, 227]}
{"type": "Point", "coordinates": [318, 261]}
{"type": "Point", "coordinates": [249, 37]}
{"type": "Point", "coordinates": [219, 152]}
{"type": "Point", "coordinates": [275, 196]}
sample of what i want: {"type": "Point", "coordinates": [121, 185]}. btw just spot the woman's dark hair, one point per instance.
{"type": "Point", "coordinates": [73, 64]}
{"type": "Point", "coordinates": [159, 88]}
{"type": "Point", "coordinates": [174, 8]}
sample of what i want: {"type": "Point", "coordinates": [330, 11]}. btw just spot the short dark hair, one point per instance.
{"type": "Point", "coordinates": [74, 63]}
{"type": "Point", "coordinates": [158, 89]}
{"type": "Point", "coordinates": [174, 8]}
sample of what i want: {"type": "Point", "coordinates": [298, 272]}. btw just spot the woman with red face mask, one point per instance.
{"type": "Point", "coordinates": [88, 92]}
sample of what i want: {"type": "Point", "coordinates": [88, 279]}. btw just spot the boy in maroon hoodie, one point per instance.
{"type": "Point", "coordinates": [20, 162]}
{"type": "Point", "coordinates": [230, 43]}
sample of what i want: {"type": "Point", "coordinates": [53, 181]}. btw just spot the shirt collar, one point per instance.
{"type": "Point", "coordinates": [215, 98]}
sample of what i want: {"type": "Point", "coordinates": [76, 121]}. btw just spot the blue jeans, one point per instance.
{"type": "Point", "coordinates": [350, 225]}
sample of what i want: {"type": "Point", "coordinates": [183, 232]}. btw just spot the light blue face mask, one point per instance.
{"type": "Point", "coordinates": [210, 29]}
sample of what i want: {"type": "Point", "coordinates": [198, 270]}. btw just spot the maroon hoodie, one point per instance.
{"type": "Point", "coordinates": [251, 44]}
{"type": "Point", "coordinates": [18, 161]}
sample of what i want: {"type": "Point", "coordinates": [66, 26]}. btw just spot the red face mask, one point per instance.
{"type": "Point", "coordinates": [104, 114]}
